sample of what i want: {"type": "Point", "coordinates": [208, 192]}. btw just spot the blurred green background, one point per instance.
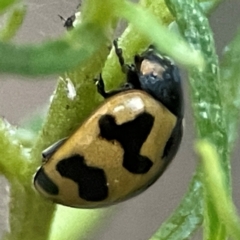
{"type": "Point", "coordinates": [138, 218]}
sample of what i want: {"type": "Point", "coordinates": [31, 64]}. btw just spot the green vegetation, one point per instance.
{"type": "Point", "coordinates": [215, 100]}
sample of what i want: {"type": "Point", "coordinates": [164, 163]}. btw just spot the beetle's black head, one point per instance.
{"type": "Point", "coordinates": [159, 77]}
{"type": "Point", "coordinates": [154, 74]}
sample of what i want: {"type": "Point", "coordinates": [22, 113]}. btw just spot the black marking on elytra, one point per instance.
{"type": "Point", "coordinates": [45, 182]}
{"type": "Point", "coordinates": [173, 142]}
{"type": "Point", "coordinates": [131, 135]}
{"type": "Point", "coordinates": [92, 182]}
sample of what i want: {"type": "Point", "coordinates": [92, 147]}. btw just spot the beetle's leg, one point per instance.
{"type": "Point", "coordinates": [48, 152]}
{"type": "Point", "coordinates": [101, 87]}
{"type": "Point", "coordinates": [133, 77]}
{"type": "Point", "coordinates": [132, 81]}
{"type": "Point", "coordinates": [118, 52]}
{"type": "Point", "coordinates": [103, 93]}
{"type": "Point", "coordinates": [130, 70]}
{"type": "Point", "coordinates": [125, 67]}
{"type": "Point", "coordinates": [137, 62]}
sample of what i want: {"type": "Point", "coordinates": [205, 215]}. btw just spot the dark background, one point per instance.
{"type": "Point", "coordinates": [137, 218]}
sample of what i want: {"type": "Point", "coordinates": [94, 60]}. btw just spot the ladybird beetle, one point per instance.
{"type": "Point", "coordinates": [125, 145]}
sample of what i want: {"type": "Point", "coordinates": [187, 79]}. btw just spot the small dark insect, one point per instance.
{"type": "Point", "coordinates": [68, 23]}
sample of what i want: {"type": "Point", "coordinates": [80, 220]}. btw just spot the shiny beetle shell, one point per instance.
{"type": "Point", "coordinates": [125, 145]}
{"type": "Point", "coordinates": [117, 153]}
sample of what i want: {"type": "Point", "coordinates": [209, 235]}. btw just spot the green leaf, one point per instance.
{"type": "Point", "coordinates": [14, 21]}
{"type": "Point", "coordinates": [6, 3]}
{"type": "Point", "coordinates": [84, 222]}
{"type": "Point", "coordinates": [54, 56]}
{"type": "Point", "coordinates": [230, 87]}
{"type": "Point", "coordinates": [215, 187]}
{"type": "Point", "coordinates": [167, 42]}
{"type": "Point", "coordinates": [186, 218]}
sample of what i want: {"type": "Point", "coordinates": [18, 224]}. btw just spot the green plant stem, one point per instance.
{"type": "Point", "coordinates": [84, 222]}
{"type": "Point", "coordinates": [9, 145]}
{"type": "Point", "coordinates": [29, 217]}
{"type": "Point", "coordinates": [23, 208]}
